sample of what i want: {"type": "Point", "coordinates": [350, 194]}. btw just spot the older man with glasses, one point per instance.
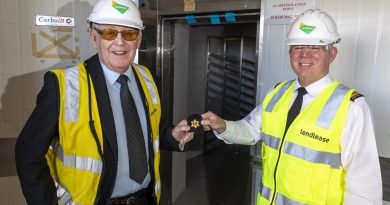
{"type": "Point", "coordinates": [318, 141]}
{"type": "Point", "coordinates": [95, 135]}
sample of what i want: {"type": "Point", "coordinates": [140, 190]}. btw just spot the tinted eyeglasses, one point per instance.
{"type": "Point", "coordinates": [111, 34]}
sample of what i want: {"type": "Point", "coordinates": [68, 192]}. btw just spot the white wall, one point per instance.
{"type": "Point", "coordinates": [363, 61]}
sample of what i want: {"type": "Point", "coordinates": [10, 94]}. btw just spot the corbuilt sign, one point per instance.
{"type": "Point", "coordinates": [53, 21]}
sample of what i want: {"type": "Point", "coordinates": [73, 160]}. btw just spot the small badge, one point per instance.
{"type": "Point", "coordinates": [194, 122]}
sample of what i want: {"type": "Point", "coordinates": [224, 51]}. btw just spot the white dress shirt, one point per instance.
{"type": "Point", "coordinates": [359, 155]}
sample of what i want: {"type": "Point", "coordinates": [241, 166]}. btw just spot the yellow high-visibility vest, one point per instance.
{"type": "Point", "coordinates": [74, 159]}
{"type": "Point", "coordinates": [303, 166]}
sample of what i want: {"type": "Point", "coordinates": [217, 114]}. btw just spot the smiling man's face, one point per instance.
{"type": "Point", "coordinates": [116, 54]}
{"type": "Point", "coordinates": [311, 63]}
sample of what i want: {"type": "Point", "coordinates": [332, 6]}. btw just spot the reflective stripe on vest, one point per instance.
{"type": "Point", "coordinates": [265, 191]}
{"type": "Point", "coordinates": [64, 196]}
{"type": "Point", "coordinates": [277, 96]}
{"type": "Point", "coordinates": [283, 200]}
{"type": "Point", "coordinates": [149, 84]}
{"type": "Point", "coordinates": [332, 105]}
{"type": "Point", "coordinates": [156, 145]}
{"type": "Point", "coordinates": [270, 141]}
{"type": "Point", "coordinates": [72, 94]}
{"type": "Point", "coordinates": [332, 159]}
{"type": "Point", "coordinates": [77, 162]}
{"type": "Point", "coordinates": [157, 186]}
{"type": "Point", "coordinates": [280, 198]}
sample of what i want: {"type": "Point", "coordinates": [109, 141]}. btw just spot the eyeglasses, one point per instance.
{"type": "Point", "coordinates": [313, 49]}
{"type": "Point", "coordinates": [111, 34]}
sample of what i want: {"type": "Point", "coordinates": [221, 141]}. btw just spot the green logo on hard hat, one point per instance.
{"type": "Point", "coordinates": [122, 9]}
{"type": "Point", "coordinates": [306, 28]}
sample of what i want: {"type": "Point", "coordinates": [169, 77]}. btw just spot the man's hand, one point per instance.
{"type": "Point", "coordinates": [211, 121]}
{"type": "Point", "coordinates": [181, 134]}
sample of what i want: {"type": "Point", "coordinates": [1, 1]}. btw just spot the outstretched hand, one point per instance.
{"type": "Point", "coordinates": [181, 134]}
{"type": "Point", "coordinates": [211, 121]}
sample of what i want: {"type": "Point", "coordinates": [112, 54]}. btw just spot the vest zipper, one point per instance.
{"type": "Point", "coordinates": [277, 163]}
{"type": "Point", "coordinates": [95, 136]}
{"type": "Point", "coordinates": [151, 148]}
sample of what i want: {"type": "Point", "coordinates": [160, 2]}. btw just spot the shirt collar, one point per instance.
{"type": "Point", "coordinates": [317, 87]}
{"type": "Point", "coordinates": [111, 76]}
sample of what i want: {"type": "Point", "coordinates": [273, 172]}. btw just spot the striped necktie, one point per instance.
{"type": "Point", "coordinates": [135, 140]}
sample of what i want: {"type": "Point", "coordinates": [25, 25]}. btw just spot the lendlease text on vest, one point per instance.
{"type": "Point", "coordinates": [314, 136]}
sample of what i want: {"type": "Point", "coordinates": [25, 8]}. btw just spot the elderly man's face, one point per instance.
{"type": "Point", "coordinates": [311, 63]}
{"type": "Point", "coordinates": [116, 54]}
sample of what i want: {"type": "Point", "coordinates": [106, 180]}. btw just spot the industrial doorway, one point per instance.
{"type": "Point", "coordinates": [207, 67]}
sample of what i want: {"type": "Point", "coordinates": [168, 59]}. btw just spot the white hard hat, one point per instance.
{"type": "Point", "coordinates": [116, 12]}
{"type": "Point", "coordinates": [313, 27]}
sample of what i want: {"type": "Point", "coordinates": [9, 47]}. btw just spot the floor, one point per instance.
{"type": "Point", "coordinates": [218, 177]}
{"type": "Point", "coordinates": [221, 176]}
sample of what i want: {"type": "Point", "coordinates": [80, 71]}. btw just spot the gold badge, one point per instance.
{"type": "Point", "coordinates": [194, 123]}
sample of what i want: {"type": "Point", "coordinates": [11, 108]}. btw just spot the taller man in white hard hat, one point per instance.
{"type": "Point", "coordinates": [94, 136]}
{"type": "Point", "coordinates": [318, 142]}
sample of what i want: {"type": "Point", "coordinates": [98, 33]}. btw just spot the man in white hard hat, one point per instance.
{"type": "Point", "coordinates": [94, 136]}
{"type": "Point", "coordinates": [318, 142]}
